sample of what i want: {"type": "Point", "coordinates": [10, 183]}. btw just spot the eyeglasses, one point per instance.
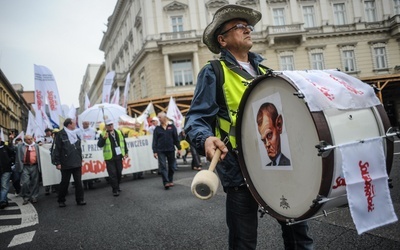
{"type": "Point", "coordinates": [239, 26]}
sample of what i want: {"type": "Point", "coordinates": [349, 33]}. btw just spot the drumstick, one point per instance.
{"type": "Point", "coordinates": [205, 183]}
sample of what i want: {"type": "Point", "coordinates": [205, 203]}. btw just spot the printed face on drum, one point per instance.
{"type": "Point", "coordinates": [270, 128]}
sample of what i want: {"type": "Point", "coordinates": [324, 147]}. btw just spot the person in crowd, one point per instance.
{"type": "Point", "coordinates": [154, 124]}
{"type": "Point", "coordinates": [114, 151]}
{"type": "Point", "coordinates": [7, 155]}
{"type": "Point", "coordinates": [67, 157]}
{"type": "Point", "coordinates": [27, 161]}
{"type": "Point", "coordinates": [270, 126]}
{"type": "Point", "coordinates": [48, 139]}
{"type": "Point", "coordinates": [212, 116]}
{"type": "Point", "coordinates": [15, 175]}
{"type": "Point", "coordinates": [87, 133]}
{"type": "Point", "coordinates": [165, 139]}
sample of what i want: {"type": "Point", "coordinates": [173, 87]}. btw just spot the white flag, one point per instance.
{"type": "Point", "coordinates": [20, 135]}
{"type": "Point", "coordinates": [174, 114]}
{"type": "Point", "coordinates": [44, 77]}
{"type": "Point", "coordinates": [108, 81]}
{"type": "Point", "coordinates": [115, 98]}
{"type": "Point", "coordinates": [2, 135]}
{"type": "Point", "coordinates": [364, 169]}
{"type": "Point", "coordinates": [126, 91]}
{"type": "Point", "coordinates": [40, 123]}
{"type": "Point", "coordinates": [30, 129]}
{"type": "Point", "coordinates": [72, 112]}
{"type": "Point", "coordinates": [87, 102]}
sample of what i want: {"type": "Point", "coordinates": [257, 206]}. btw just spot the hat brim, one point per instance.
{"type": "Point", "coordinates": [223, 15]}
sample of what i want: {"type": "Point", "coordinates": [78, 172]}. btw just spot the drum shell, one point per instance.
{"type": "Point", "coordinates": [305, 129]}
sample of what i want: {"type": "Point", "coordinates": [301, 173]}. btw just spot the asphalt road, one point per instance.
{"type": "Point", "coordinates": [145, 216]}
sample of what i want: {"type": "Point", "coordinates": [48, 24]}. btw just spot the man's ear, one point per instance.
{"type": "Point", "coordinates": [221, 41]}
{"type": "Point", "coordinates": [279, 123]}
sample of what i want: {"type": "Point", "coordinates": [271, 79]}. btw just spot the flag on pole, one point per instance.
{"type": "Point", "coordinates": [44, 77]}
{"type": "Point", "coordinates": [20, 135]}
{"type": "Point", "coordinates": [115, 98]}
{"type": "Point", "coordinates": [87, 102]}
{"type": "Point", "coordinates": [30, 129]}
{"type": "Point", "coordinates": [2, 135]}
{"type": "Point", "coordinates": [174, 114]}
{"type": "Point", "coordinates": [108, 81]}
{"type": "Point", "coordinates": [72, 112]}
{"type": "Point", "coordinates": [126, 91]}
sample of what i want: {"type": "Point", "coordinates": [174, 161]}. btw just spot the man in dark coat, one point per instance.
{"type": "Point", "coordinates": [67, 156]}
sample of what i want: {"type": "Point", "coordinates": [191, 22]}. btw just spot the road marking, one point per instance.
{"type": "Point", "coordinates": [29, 216]}
{"type": "Point", "coordinates": [22, 238]}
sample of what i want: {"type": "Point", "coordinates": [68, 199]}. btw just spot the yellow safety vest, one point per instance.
{"type": "Point", "coordinates": [107, 152]}
{"type": "Point", "coordinates": [233, 89]}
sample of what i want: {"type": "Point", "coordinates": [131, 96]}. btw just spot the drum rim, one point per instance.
{"type": "Point", "coordinates": [389, 143]}
{"type": "Point", "coordinates": [323, 133]}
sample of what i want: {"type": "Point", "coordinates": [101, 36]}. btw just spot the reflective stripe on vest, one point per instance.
{"type": "Point", "coordinates": [233, 89]}
{"type": "Point", "coordinates": [107, 152]}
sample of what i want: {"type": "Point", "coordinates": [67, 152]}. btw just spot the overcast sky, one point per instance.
{"type": "Point", "coordinates": [63, 35]}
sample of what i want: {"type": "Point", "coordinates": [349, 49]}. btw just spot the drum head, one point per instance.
{"type": "Point", "coordinates": [286, 190]}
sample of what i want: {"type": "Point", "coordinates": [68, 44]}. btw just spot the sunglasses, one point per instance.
{"type": "Point", "coordinates": [239, 26]}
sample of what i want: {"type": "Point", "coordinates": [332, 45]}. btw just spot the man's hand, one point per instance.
{"type": "Point", "coordinates": [210, 146]}
{"type": "Point", "coordinates": [105, 135]}
{"type": "Point", "coordinates": [58, 167]}
{"type": "Point", "coordinates": [155, 155]}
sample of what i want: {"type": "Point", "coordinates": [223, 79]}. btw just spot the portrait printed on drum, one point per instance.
{"type": "Point", "coordinates": [272, 137]}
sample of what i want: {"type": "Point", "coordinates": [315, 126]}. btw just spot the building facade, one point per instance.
{"type": "Point", "coordinates": [13, 108]}
{"type": "Point", "coordinates": [159, 43]}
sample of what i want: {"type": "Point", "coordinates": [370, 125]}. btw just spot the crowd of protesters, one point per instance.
{"type": "Point", "coordinates": [20, 165]}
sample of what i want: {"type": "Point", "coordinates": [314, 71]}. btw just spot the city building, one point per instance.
{"type": "Point", "coordinates": [13, 107]}
{"type": "Point", "coordinates": [159, 43]}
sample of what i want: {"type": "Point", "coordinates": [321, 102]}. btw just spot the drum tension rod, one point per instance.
{"type": "Point", "coordinates": [324, 148]}
{"type": "Point", "coordinates": [299, 95]}
{"type": "Point", "coordinates": [322, 199]}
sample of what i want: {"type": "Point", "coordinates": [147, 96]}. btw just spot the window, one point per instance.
{"type": "Point", "coordinates": [183, 73]}
{"type": "Point", "coordinates": [339, 12]}
{"type": "Point", "coordinates": [143, 86]}
{"type": "Point", "coordinates": [396, 4]}
{"type": "Point", "coordinates": [309, 16]}
{"type": "Point", "coordinates": [287, 61]}
{"type": "Point", "coordinates": [370, 11]}
{"type": "Point", "coordinates": [177, 23]}
{"type": "Point", "coordinates": [279, 16]}
{"type": "Point", "coordinates": [379, 56]}
{"type": "Point", "coordinates": [317, 59]}
{"type": "Point", "coordinates": [348, 59]}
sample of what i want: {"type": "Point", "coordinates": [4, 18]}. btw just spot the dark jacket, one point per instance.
{"type": "Point", "coordinates": [164, 140]}
{"type": "Point", "coordinates": [66, 154]}
{"type": "Point", "coordinates": [206, 106]}
{"type": "Point", "coordinates": [6, 158]}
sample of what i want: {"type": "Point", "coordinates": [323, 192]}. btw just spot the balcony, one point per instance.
{"type": "Point", "coordinates": [291, 31]}
{"type": "Point", "coordinates": [171, 36]}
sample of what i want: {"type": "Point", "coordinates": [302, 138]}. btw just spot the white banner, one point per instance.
{"type": "Point", "coordinates": [93, 166]}
{"type": "Point", "coordinates": [44, 77]}
{"type": "Point", "coordinates": [40, 88]}
{"type": "Point", "coordinates": [87, 102]}
{"type": "Point", "coordinates": [364, 169]}
{"type": "Point", "coordinates": [107, 84]}
{"type": "Point", "coordinates": [115, 98]}
{"type": "Point", "coordinates": [324, 89]}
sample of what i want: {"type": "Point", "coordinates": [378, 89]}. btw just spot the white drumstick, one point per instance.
{"type": "Point", "coordinates": [205, 183]}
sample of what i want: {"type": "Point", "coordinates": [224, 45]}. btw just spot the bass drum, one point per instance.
{"type": "Point", "coordinates": [289, 190]}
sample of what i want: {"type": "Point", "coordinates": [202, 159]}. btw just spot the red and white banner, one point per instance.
{"type": "Point", "coordinates": [364, 168]}
{"type": "Point", "coordinates": [140, 158]}
{"type": "Point", "coordinates": [107, 84]}
{"type": "Point", "coordinates": [126, 91]}
{"type": "Point", "coordinates": [40, 88]}
{"type": "Point", "coordinates": [325, 89]}
{"type": "Point", "coordinates": [175, 114]}
{"type": "Point", "coordinates": [44, 80]}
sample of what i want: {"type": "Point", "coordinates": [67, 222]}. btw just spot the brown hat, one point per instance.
{"type": "Point", "coordinates": [223, 15]}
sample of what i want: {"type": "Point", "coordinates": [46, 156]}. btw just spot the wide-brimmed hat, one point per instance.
{"type": "Point", "coordinates": [223, 15]}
